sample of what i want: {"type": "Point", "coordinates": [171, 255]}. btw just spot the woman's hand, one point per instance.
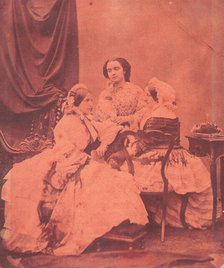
{"type": "Point", "coordinates": [122, 119]}
{"type": "Point", "coordinates": [101, 150]}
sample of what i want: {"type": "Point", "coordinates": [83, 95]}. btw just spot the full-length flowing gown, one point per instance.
{"type": "Point", "coordinates": [186, 173]}
{"type": "Point", "coordinates": [61, 200]}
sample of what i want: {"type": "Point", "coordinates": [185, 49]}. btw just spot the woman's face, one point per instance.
{"type": "Point", "coordinates": [86, 106]}
{"type": "Point", "coordinates": [115, 72]}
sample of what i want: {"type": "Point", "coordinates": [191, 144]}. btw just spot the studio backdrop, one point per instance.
{"type": "Point", "coordinates": [38, 56]}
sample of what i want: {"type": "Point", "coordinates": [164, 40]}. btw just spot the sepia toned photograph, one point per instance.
{"type": "Point", "coordinates": [111, 133]}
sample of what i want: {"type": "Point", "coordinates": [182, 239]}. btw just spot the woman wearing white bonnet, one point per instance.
{"type": "Point", "coordinates": [164, 100]}
{"type": "Point", "coordinates": [185, 172]}
{"type": "Point", "coordinates": [165, 93]}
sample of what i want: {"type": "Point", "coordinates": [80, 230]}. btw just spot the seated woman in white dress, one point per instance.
{"type": "Point", "coordinates": [185, 172]}
{"type": "Point", "coordinates": [61, 200]}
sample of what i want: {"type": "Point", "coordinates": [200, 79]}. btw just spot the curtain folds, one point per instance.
{"type": "Point", "coordinates": [38, 53]}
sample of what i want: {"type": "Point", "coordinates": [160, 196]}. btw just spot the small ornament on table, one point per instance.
{"type": "Point", "coordinates": [208, 128]}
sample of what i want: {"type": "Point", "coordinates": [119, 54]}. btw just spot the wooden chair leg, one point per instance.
{"type": "Point", "coordinates": [163, 222]}
{"type": "Point", "coordinates": [163, 230]}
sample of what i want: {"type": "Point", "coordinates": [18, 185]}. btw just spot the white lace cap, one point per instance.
{"type": "Point", "coordinates": [165, 93]}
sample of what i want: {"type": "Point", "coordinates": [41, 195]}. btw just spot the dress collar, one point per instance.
{"type": "Point", "coordinates": [126, 85]}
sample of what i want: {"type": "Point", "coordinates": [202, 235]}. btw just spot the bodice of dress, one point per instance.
{"type": "Point", "coordinates": [71, 132]}
{"type": "Point", "coordinates": [125, 99]}
{"type": "Point", "coordinates": [167, 125]}
{"type": "Point", "coordinates": [122, 101]}
{"type": "Point", "coordinates": [83, 133]}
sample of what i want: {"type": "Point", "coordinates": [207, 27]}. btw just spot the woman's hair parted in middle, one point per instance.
{"type": "Point", "coordinates": [75, 97]}
{"type": "Point", "coordinates": [125, 65]}
{"type": "Point", "coordinates": [78, 92]}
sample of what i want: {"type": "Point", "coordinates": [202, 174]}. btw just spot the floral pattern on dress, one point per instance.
{"type": "Point", "coordinates": [125, 100]}
{"type": "Point", "coordinates": [122, 101]}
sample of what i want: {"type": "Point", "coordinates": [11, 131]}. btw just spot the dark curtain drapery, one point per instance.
{"type": "Point", "coordinates": [38, 53]}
